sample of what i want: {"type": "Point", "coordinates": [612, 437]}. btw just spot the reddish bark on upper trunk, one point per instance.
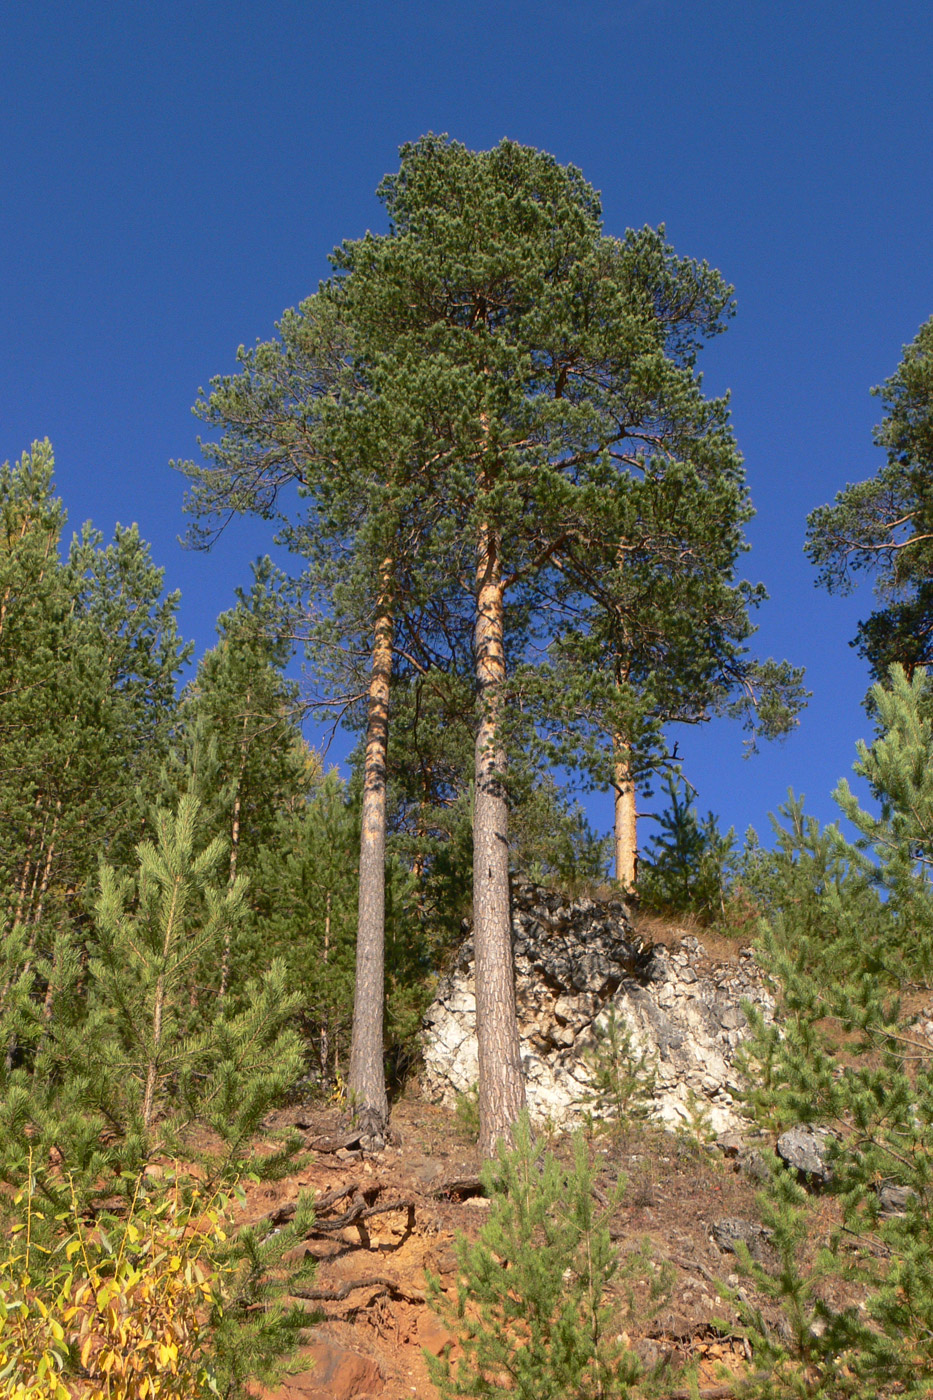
{"type": "Point", "coordinates": [626, 817]}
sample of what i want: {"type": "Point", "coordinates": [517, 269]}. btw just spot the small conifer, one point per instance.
{"type": "Point", "coordinates": [543, 1297]}
{"type": "Point", "coordinates": [849, 933]}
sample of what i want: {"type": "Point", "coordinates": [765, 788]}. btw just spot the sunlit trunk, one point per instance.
{"type": "Point", "coordinates": [625, 835]}
{"type": "Point", "coordinates": [501, 1088]}
{"type": "Point", "coordinates": [367, 1068]}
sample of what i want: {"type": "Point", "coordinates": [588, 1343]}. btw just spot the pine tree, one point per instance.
{"type": "Point", "coordinates": [123, 1063]}
{"type": "Point", "coordinates": [304, 409]}
{"type": "Point", "coordinates": [534, 1313]}
{"type": "Point", "coordinates": [239, 748]}
{"type": "Point", "coordinates": [884, 526]}
{"type": "Point", "coordinates": [658, 625]}
{"type": "Point", "coordinates": [554, 365]}
{"type": "Point", "coordinates": [850, 929]}
{"type": "Point", "coordinates": [465, 406]}
{"type": "Point", "coordinates": [90, 653]}
{"type": "Point", "coordinates": [689, 864]}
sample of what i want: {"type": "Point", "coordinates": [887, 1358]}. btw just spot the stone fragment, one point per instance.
{"type": "Point", "coordinates": [733, 1229]}
{"type": "Point", "coordinates": [335, 1374]}
{"type": "Point", "coordinates": [892, 1198]}
{"type": "Point", "coordinates": [804, 1150]}
{"type": "Point", "coordinates": [753, 1165]}
{"type": "Point", "coordinates": [433, 1335]}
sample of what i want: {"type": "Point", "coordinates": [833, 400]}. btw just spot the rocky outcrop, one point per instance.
{"type": "Point", "coordinates": [574, 960]}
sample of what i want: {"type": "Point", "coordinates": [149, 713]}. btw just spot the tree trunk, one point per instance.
{"type": "Point", "coordinates": [501, 1088]}
{"type": "Point", "coordinates": [234, 845]}
{"type": "Point", "coordinates": [234, 852]}
{"type": "Point", "coordinates": [325, 1028]}
{"type": "Point", "coordinates": [367, 1068]}
{"type": "Point", "coordinates": [626, 817]}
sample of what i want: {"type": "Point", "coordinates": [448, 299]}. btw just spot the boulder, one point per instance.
{"type": "Point", "coordinates": [804, 1150]}
{"type": "Point", "coordinates": [334, 1374]}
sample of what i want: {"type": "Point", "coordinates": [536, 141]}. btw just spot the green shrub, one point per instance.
{"type": "Point", "coordinates": [622, 1079]}
{"type": "Point", "coordinates": [850, 929]}
{"type": "Point", "coordinates": [117, 1074]}
{"type": "Point", "coordinates": [542, 1295]}
{"type": "Point", "coordinates": [687, 868]}
{"type": "Point", "coordinates": [467, 1113]}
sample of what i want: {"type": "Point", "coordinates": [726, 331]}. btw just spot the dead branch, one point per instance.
{"type": "Point", "coordinates": [459, 1186]}
{"type": "Point", "coordinates": [282, 1214]}
{"type": "Point", "coordinates": [333, 1144]}
{"type": "Point", "coordinates": [380, 1281]}
{"type": "Point", "coordinates": [700, 1268]}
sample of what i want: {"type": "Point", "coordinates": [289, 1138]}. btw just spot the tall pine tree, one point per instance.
{"type": "Point", "coordinates": [554, 367]}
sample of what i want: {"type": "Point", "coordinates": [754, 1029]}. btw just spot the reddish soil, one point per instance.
{"type": "Point", "coordinates": [371, 1341]}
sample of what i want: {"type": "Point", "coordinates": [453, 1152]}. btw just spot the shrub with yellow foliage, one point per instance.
{"type": "Point", "coordinates": [124, 1314]}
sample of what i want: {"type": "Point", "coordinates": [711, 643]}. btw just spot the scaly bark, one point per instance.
{"type": "Point", "coordinates": [625, 836]}
{"type": "Point", "coordinates": [501, 1088]}
{"type": "Point", "coordinates": [367, 1068]}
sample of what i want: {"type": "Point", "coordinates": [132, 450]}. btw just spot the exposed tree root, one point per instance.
{"type": "Point", "coordinates": [380, 1281]}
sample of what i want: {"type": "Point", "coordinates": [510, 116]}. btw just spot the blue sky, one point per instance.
{"type": "Point", "coordinates": [173, 176]}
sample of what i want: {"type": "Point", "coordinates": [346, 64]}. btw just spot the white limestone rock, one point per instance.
{"type": "Point", "coordinates": [574, 960]}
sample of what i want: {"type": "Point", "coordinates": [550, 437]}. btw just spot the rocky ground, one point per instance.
{"type": "Point", "coordinates": [387, 1219]}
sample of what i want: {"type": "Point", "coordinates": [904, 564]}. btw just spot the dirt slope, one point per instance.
{"type": "Point", "coordinates": [386, 1219]}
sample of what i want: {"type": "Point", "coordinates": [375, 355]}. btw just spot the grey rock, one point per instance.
{"type": "Point", "coordinates": [728, 1232]}
{"type": "Point", "coordinates": [753, 1165]}
{"type": "Point", "coordinates": [731, 1018]}
{"type": "Point", "coordinates": [892, 1198]}
{"type": "Point", "coordinates": [804, 1150]}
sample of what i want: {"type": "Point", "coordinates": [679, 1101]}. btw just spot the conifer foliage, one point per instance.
{"type": "Point", "coordinates": [89, 654]}
{"type": "Point", "coordinates": [113, 1075]}
{"type": "Point", "coordinates": [494, 417]}
{"type": "Point", "coordinates": [883, 526]}
{"type": "Point", "coordinates": [849, 933]}
{"type": "Point", "coordinates": [543, 1296]}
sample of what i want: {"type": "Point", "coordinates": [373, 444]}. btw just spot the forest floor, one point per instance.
{"type": "Point", "coordinates": [387, 1220]}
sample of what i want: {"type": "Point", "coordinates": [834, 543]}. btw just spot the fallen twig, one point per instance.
{"type": "Point", "coordinates": [700, 1268]}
